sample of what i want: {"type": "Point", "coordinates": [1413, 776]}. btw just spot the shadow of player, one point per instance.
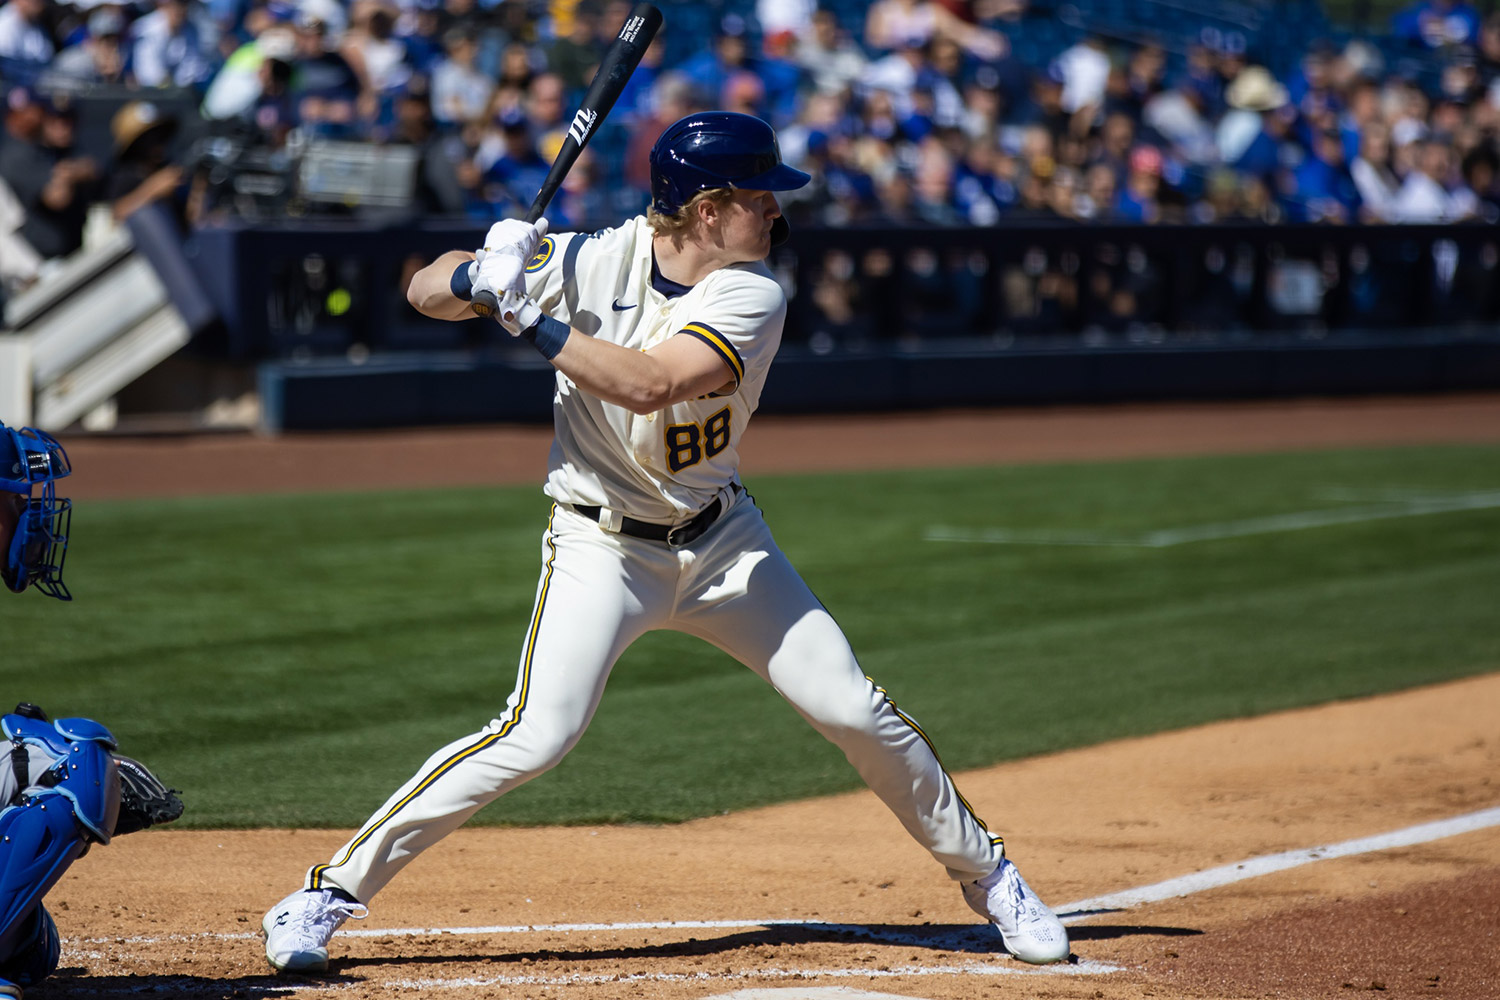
{"type": "Point", "coordinates": [76, 983]}
{"type": "Point", "coordinates": [947, 939]}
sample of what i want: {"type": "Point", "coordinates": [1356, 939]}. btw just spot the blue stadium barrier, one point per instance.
{"type": "Point", "coordinates": [941, 317]}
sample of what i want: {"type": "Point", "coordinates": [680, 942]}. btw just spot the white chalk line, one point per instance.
{"type": "Point", "coordinates": [1213, 878]}
{"type": "Point", "coordinates": [1396, 506]}
{"type": "Point", "coordinates": [1071, 913]}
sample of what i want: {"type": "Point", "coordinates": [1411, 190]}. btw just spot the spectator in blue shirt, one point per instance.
{"type": "Point", "coordinates": [25, 45]}
{"type": "Point", "coordinates": [516, 176]}
{"type": "Point", "coordinates": [168, 48]}
{"type": "Point", "coordinates": [1437, 23]}
{"type": "Point", "coordinates": [729, 55]}
{"type": "Point", "coordinates": [323, 85]}
{"type": "Point", "coordinates": [1140, 196]}
{"type": "Point", "coordinates": [1322, 188]}
{"type": "Point", "coordinates": [1256, 92]}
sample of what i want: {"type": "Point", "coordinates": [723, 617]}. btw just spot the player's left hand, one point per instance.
{"type": "Point", "coordinates": [498, 274]}
{"type": "Point", "coordinates": [144, 800]}
{"type": "Point", "coordinates": [500, 263]}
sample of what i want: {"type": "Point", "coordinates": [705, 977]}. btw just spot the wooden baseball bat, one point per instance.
{"type": "Point", "coordinates": [614, 70]}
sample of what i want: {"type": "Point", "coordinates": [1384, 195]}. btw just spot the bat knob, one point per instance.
{"type": "Point", "coordinates": [484, 304]}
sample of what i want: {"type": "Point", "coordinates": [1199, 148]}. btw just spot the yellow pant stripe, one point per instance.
{"type": "Point", "coordinates": [316, 875]}
{"type": "Point", "coordinates": [931, 746]}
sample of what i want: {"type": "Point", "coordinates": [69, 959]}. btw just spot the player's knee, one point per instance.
{"type": "Point", "coordinates": [849, 714]}
{"type": "Point", "coordinates": [820, 676]}
{"type": "Point", "coordinates": [543, 750]}
{"type": "Point", "coordinates": [39, 839]}
{"type": "Point", "coordinates": [37, 950]}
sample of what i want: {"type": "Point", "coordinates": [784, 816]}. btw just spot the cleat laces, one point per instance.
{"type": "Point", "coordinates": [309, 927]}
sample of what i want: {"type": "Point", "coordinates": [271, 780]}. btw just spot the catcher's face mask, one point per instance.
{"type": "Point", "coordinates": [31, 461]}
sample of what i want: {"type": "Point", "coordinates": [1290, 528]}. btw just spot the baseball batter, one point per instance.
{"type": "Point", "coordinates": [662, 332]}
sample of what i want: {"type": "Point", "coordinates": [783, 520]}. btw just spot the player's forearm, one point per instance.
{"type": "Point", "coordinates": [619, 375]}
{"type": "Point", "coordinates": [431, 291]}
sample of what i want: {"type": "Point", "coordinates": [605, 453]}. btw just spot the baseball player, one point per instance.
{"type": "Point", "coordinates": [62, 786]}
{"type": "Point", "coordinates": [662, 332]}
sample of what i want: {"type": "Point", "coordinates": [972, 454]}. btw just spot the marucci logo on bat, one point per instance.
{"type": "Point", "coordinates": [583, 124]}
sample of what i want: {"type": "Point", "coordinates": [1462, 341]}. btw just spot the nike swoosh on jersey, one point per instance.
{"type": "Point", "coordinates": [619, 308]}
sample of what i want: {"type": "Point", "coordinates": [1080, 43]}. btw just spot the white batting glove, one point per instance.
{"type": "Point", "coordinates": [517, 311]}
{"type": "Point", "coordinates": [499, 264]}
{"type": "Point", "coordinates": [497, 274]}
{"type": "Point", "coordinates": [512, 237]}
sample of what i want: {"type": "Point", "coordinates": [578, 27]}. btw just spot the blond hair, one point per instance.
{"type": "Point", "coordinates": [678, 223]}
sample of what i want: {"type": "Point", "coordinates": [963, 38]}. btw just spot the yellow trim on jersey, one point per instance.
{"type": "Point", "coordinates": [721, 344]}
{"type": "Point", "coordinates": [543, 254]}
{"type": "Point", "coordinates": [315, 876]}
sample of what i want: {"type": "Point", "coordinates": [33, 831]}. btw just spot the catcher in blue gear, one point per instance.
{"type": "Point", "coordinates": [63, 786]}
{"type": "Point", "coordinates": [34, 520]}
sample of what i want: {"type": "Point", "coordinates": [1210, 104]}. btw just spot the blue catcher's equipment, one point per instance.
{"type": "Point", "coordinates": [717, 149]}
{"type": "Point", "coordinates": [31, 459]}
{"type": "Point", "coordinates": [36, 955]}
{"type": "Point", "coordinates": [51, 821]}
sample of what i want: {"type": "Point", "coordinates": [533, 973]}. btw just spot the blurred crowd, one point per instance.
{"type": "Point", "coordinates": [904, 111]}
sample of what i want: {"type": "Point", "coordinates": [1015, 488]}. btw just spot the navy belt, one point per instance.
{"type": "Point", "coordinates": [673, 535]}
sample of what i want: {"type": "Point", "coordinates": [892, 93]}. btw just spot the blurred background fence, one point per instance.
{"type": "Point", "coordinates": [903, 317]}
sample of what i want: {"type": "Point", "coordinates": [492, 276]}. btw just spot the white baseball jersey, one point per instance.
{"type": "Point", "coordinates": [601, 588]}
{"type": "Point", "coordinates": [671, 464]}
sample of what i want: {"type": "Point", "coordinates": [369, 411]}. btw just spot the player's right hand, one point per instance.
{"type": "Point", "coordinates": [517, 312]}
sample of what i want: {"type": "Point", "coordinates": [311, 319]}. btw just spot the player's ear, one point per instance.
{"type": "Point", "coordinates": [708, 211]}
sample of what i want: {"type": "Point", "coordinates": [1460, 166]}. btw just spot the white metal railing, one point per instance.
{"type": "Point", "coordinates": [94, 324]}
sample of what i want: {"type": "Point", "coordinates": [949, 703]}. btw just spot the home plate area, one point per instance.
{"type": "Point", "coordinates": [770, 957]}
{"type": "Point", "coordinates": [807, 993]}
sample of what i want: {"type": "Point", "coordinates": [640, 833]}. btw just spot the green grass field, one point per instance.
{"type": "Point", "coordinates": [289, 660]}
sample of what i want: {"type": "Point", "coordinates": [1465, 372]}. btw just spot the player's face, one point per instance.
{"type": "Point", "coordinates": [745, 224]}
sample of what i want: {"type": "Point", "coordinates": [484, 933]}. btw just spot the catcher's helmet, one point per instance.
{"type": "Point", "coordinates": [32, 459]}
{"type": "Point", "coordinates": [717, 149]}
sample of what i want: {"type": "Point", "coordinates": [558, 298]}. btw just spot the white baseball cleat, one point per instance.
{"type": "Point", "coordinates": [297, 929]}
{"type": "Point", "coordinates": [1030, 930]}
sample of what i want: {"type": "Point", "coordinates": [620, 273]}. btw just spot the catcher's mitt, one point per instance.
{"type": "Point", "coordinates": [144, 800]}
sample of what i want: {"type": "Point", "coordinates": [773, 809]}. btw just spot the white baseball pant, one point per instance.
{"type": "Point", "coordinates": [600, 591]}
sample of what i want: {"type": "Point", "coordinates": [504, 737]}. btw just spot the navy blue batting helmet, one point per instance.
{"type": "Point", "coordinates": [717, 149]}
{"type": "Point", "coordinates": [34, 520]}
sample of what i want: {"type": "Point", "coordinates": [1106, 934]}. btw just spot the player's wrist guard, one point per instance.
{"type": "Point", "coordinates": [525, 319]}
{"type": "Point", "coordinates": [462, 281]}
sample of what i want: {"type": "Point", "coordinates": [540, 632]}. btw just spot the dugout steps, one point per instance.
{"type": "Point", "coordinates": [96, 323]}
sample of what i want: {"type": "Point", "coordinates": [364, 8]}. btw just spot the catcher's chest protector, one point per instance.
{"type": "Point", "coordinates": [70, 803]}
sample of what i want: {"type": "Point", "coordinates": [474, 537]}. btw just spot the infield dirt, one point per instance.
{"type": "Point", "coordinates": [176, 913]}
